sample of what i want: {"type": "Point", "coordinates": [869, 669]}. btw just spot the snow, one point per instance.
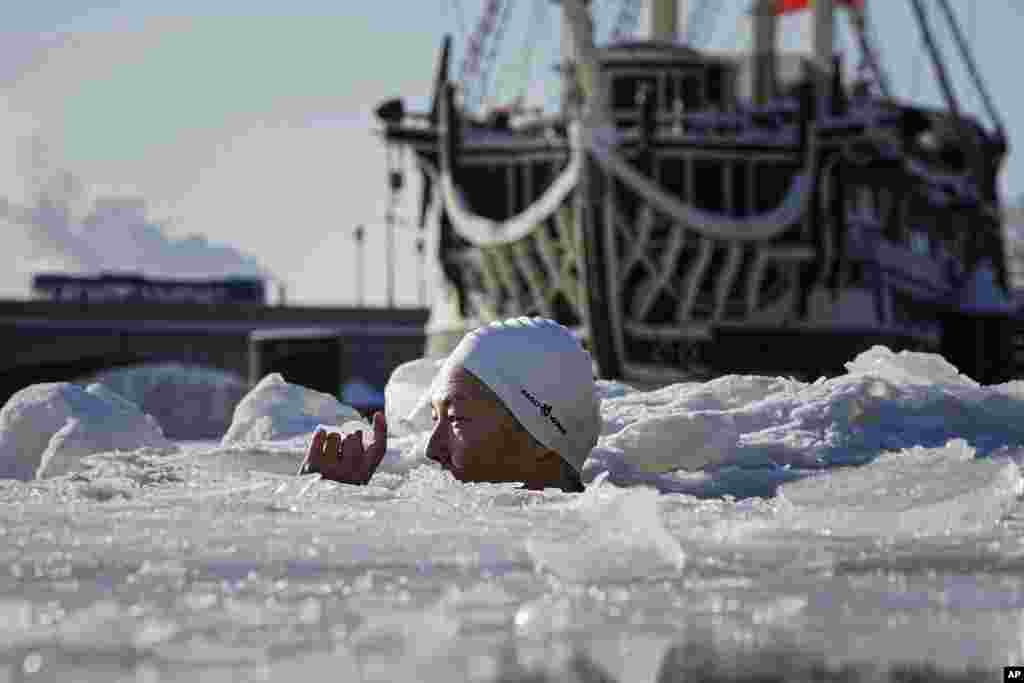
{"type": "Point", "coordinates": [869, 520]}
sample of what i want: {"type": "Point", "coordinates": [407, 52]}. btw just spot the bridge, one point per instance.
{"type": "Point", "coordinates": [318, 347]}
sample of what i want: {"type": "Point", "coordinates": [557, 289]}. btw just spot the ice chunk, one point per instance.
{"type": "Point", "coordinates": [276, 410]}
{"type": "Point", "coordinates": [620, 537]}
{"type": "Point", "coordinates": [678, 441]}
{"type": "Point", "coordinates": [405, 395]}
{"type": "Point", "coordinates": [908, 367]}
{"type": "Point", "coordinates": [917, 492]}
{"type": "Point", "coordinates": [189, 402]}
{"type": "Point", "coordinates": [45, 429]}
{"type": "Point", "coordinates": [733, 391]}
{"type": "Point", "coordinates": [620, 410]}
{"type": "Point", "coordinates": [887, 402]}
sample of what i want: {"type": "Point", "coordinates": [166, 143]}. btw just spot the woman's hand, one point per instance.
{"type": "Point", "coordinates": [345, 459]}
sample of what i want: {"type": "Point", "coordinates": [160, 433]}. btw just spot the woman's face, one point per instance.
{"type": "Point", "coordinates": [477, 439]}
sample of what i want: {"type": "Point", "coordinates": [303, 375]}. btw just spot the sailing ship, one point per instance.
{"type": "Point", "coordinates": [689, 213]}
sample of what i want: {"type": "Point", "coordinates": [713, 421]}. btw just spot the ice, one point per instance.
{"type": "Point", "coordinates": [885, 402]}
{"type": "Point", "coordinates": [681, 440]}
{"type": "Point", "coordinates": [189, 402]}
{"type": "Point", "coordinates": [276, 410]}
{"type": "Point", "coordinates": [405, 395]}
{"type": "Point", "coordinates": [908, 367]}
{"type": "Point", "coordinates": [45, 429]}
{"type": "Point", "coordinates": [872, 518]}
{"type": "Point", "coordinates": [19, 624]}
{"type": "Point", "coordinates": [918, 492]}
{"type": "Point", "coordinates": [619, 537]}
{"type": "Point", "coordinates": [338, 665]}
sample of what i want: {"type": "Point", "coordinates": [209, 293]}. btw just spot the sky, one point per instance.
{"type": "Point", "coordinates": [249, 124]}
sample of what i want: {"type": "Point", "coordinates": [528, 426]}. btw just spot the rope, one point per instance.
{"type": "Point", "coordinates": [538, 18]}
{"type": "Point", "coordinates": [476, 50]}
{"type": "Point", "coordinates": [483, 231]}
{"type": "Point", "coordinates": [492, 54]}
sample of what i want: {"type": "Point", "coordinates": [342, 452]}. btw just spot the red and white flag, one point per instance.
{"type": "Point", "coordinates": [788, 6]}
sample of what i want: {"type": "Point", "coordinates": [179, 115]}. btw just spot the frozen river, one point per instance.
{"type": "Point", "coordinates": [847, 529]}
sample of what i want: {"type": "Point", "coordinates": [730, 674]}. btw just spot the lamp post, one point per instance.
{"type": "Point", "coordinates": [420, 258]}
{"type": "Point", "coordinates": [360, 235]}
{"type": "Point", "coordinates": [396, 180]}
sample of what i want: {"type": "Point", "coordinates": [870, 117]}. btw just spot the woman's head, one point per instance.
{"type": "Point", "coordinates": [516, 401]}
{"type": "Point", "coordinates": [477, 439]}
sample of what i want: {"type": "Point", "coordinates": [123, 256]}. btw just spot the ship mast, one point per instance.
{"type": "Point", "coordinates": [823, 45]}
{"type": "Point", "coordinates": [766, 16]}
{"type": "Point", "coordinates": [664, 19]}
{"type": "Point", "coordinates": [570, 88]}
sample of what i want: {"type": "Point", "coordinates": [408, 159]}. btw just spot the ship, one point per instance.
{"type": "Point", "coordinates": [691, 214]}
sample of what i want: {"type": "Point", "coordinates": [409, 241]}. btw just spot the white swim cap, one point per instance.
{"type": "Point", "coordinates": [543, 375]}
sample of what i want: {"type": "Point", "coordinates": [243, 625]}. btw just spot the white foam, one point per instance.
{"type": "Point", "coordinates": [46, 429]}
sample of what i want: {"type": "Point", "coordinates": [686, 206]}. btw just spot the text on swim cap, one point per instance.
{"type": "Point", "coordinates": [545, 410]}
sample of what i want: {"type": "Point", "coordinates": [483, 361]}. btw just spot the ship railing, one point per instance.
{"type": "Point", "coordinates": [484, 231]}
{"type": "Point", "coordinates": [531, 262]}
{"type": "Point", "coordinates": [669, 289]}
{"type": "Point", "coordinates": [759, 227]}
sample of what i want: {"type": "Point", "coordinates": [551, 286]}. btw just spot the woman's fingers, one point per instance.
{"type": "Point", "coordinates": [314, 456]}
{"type": "Point", "coordinates": [375, 453]}
{"type": "Point", "coordinates": [332, 446]}
{"type": "Point", "coordinates": [345, 459]}
{"type": "Point", "coordinates": [352, 448]}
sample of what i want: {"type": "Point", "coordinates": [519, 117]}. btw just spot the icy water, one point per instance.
{"type": "Point", "coordinates": [862, 528]}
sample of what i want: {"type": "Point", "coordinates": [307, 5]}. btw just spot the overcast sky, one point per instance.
{"type": "Point", "coordinates": [250, 123]}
